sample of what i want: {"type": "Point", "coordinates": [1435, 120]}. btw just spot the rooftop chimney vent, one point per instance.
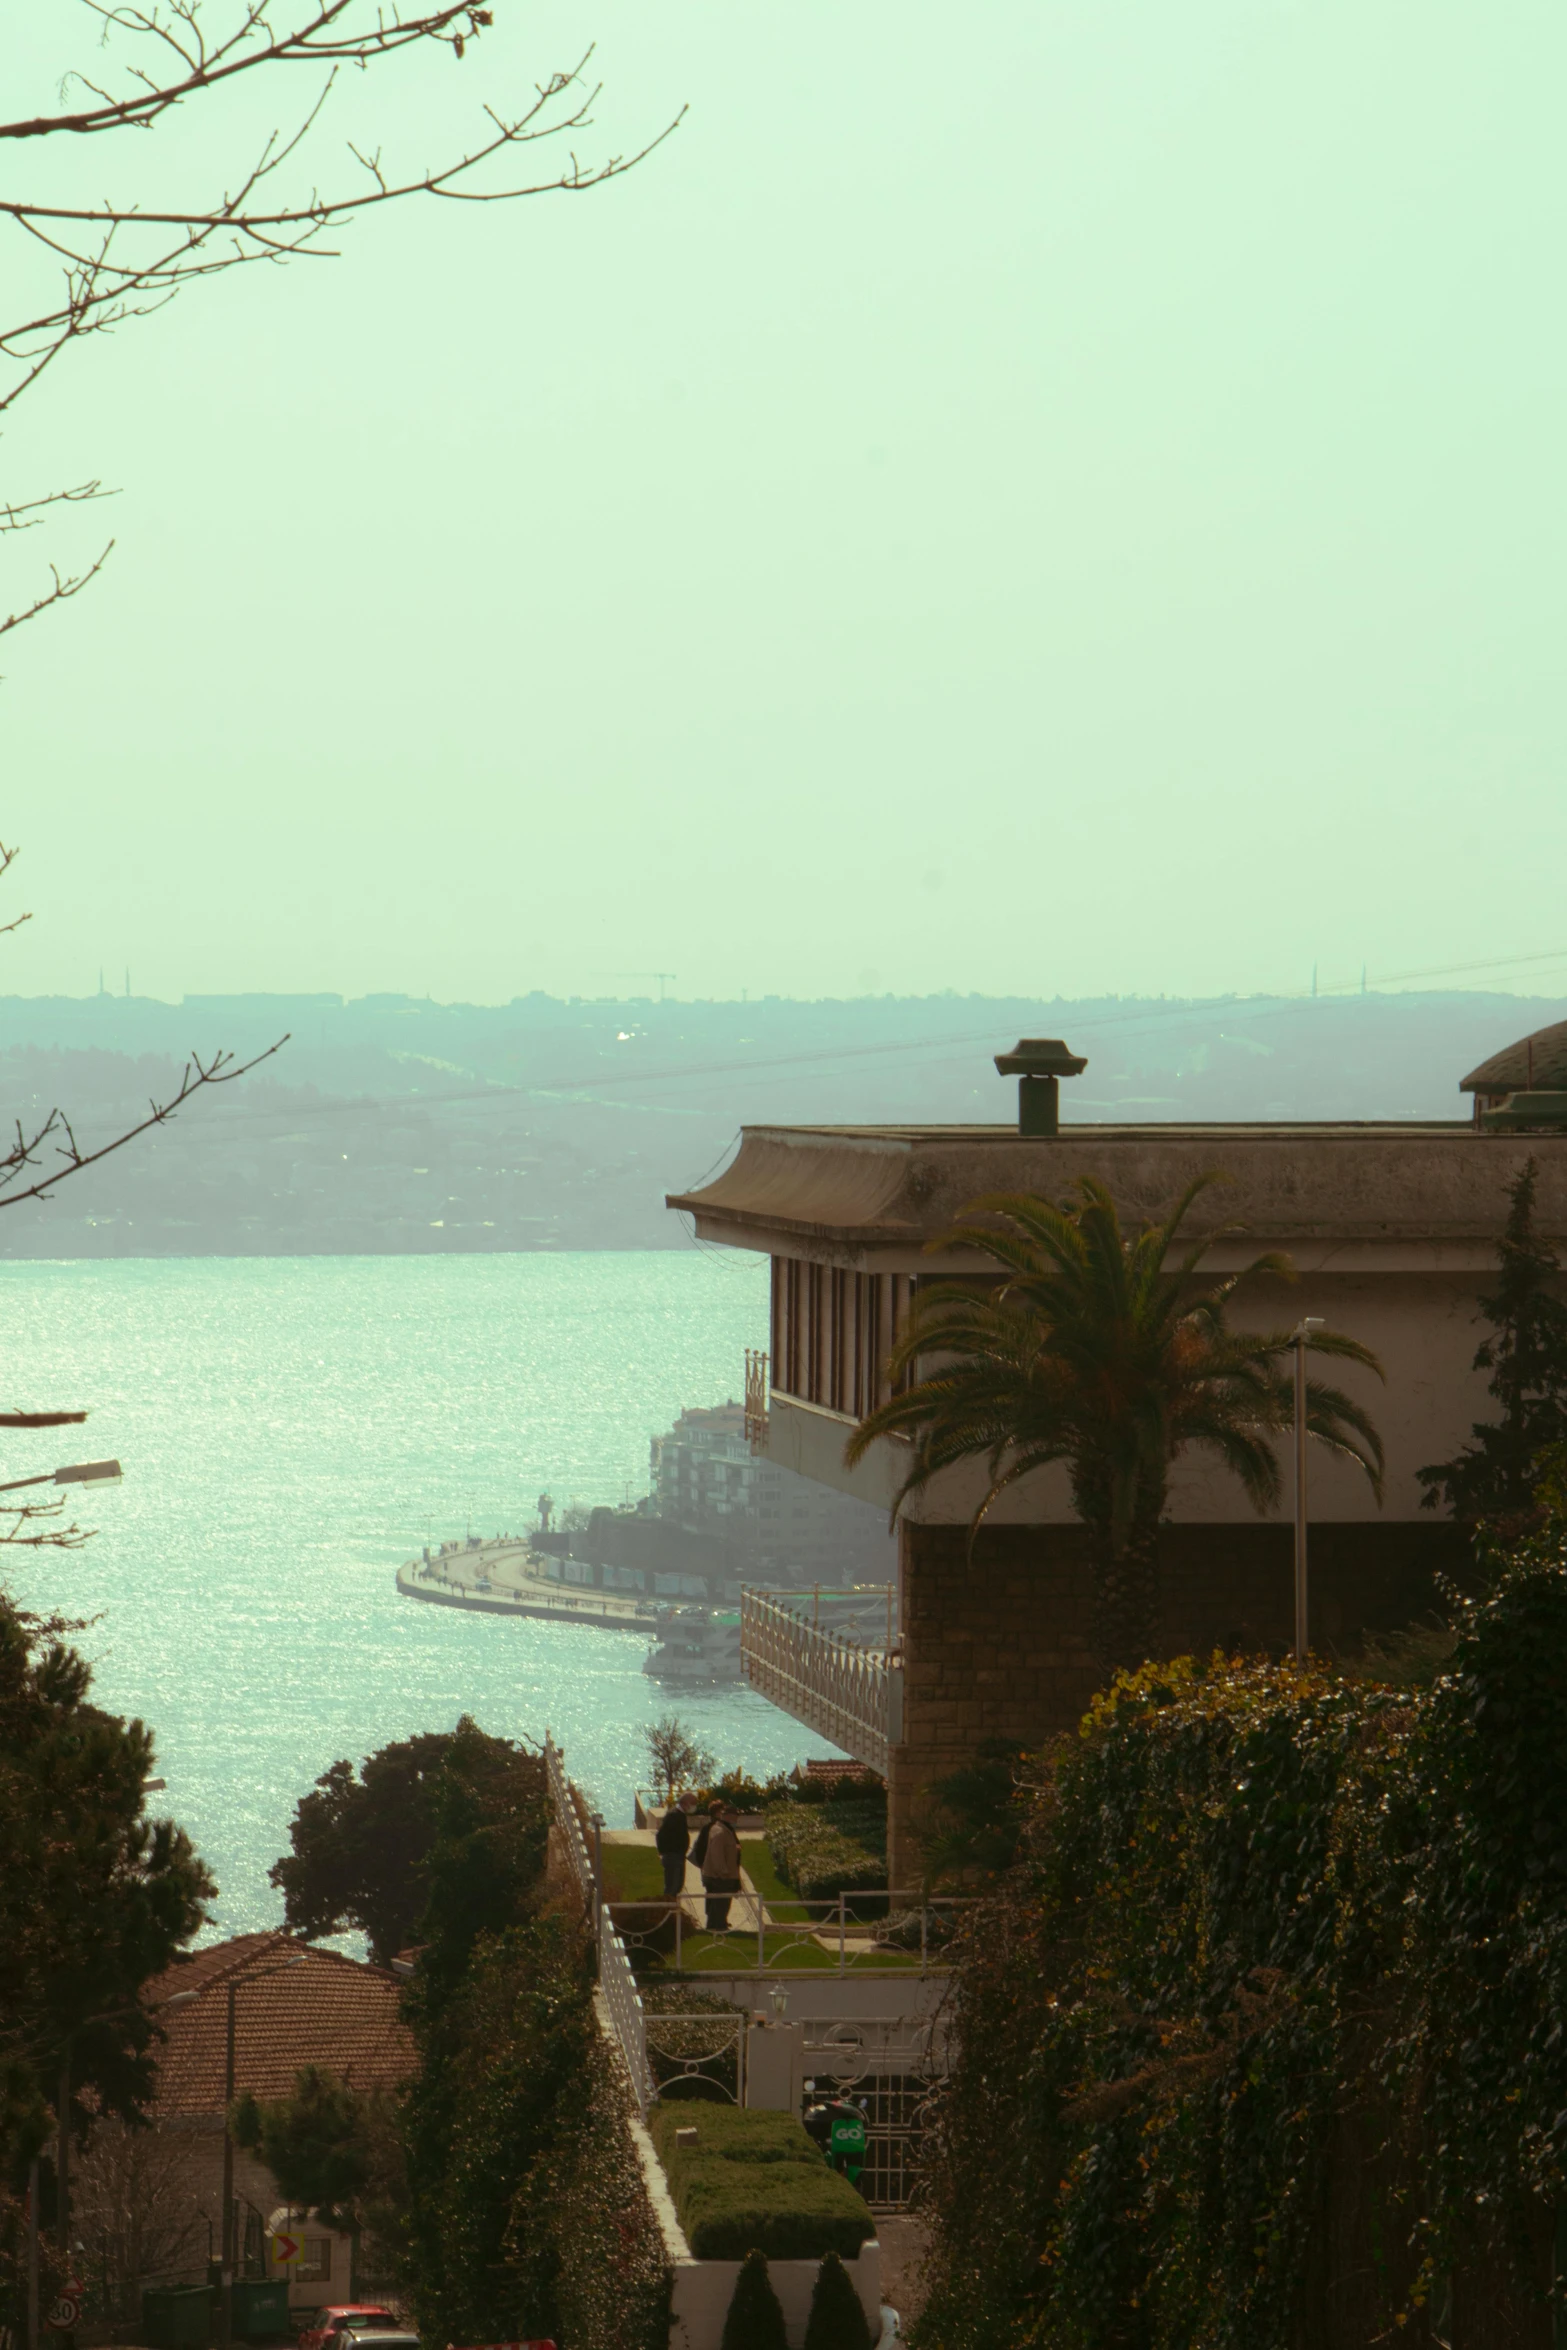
{"type": "Point", "coordinates": [1039, 1063]}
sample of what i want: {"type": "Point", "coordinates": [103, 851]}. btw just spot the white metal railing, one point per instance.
{"type": "Point", "coordinates": [623, 2003]}
{"type": "Point", "coordinates": [854, 1696]}
{"type": "Point", "coordinates": [569, 1821]}
{"type": "Point", "coordinates": [874, 1927]}
{"type": "Point", "coordinates": [756, 1399]}
{"type": "Point", "coordinates": [617, 1982]}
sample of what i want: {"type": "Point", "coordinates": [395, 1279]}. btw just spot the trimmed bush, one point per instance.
{"type": "Point", "coordinates": [837, 2320]}
{"type": "Point", "coordinates": [756, 2319]}
{"type": "Point", "coordinates": [754, 2180]}
{"type": "Point", "coordinates": [823, 1850]}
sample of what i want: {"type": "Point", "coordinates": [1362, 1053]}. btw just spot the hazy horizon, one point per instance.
{"type": "Point", "coordinates": [1067, 511]}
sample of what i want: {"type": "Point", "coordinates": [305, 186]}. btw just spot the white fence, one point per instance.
{"type": "Point", "coordinates": [854, 1696]}
{"type": "Point", "coordinates": [617, 1983]}
{"type": "Point", "coordinates": [569, 1821]}
{"type": "Point", "coordinates": [623, 2002]}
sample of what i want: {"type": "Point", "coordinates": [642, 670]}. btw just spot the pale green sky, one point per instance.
{"type": "Point", "coordinates": [1023, 497]}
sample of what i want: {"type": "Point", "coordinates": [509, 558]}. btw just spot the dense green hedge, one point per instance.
{"type": "Point", "coordinates": [754, 2181]}
{"type": "Point", "coordinates": [587, 2201]}
{"type": "Point", "coordinates": [823, 1850]}
{"type": "Point", "coordinates": [1263, 2043]}
{"type": "Point", "coordinates": [527, 2214]}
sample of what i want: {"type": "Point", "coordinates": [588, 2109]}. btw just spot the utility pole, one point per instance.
{"type": "Point", "coordinates": [229, 2259]}
{"type": "Point", "coordinates": [226, 2270]}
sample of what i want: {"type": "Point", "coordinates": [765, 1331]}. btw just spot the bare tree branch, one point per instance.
{"type": "Point", "coordinates": [65, 586]}
{"type": "Point", "coordinates": [29, 513]}
{"type": "Point", "coordinates": [118, 260]}
{"type": "Point", "coordinates": [20, 1530]}
{"type": "Point", "coordinates": [23, 1152]}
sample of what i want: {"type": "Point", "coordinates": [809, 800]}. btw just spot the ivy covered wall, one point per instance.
{"type": "Point", "coordinates": [1263, 2043]}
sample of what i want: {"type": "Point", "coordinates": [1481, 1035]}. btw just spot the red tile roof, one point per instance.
{"type": "Point", "coordinates": [293, 2006]}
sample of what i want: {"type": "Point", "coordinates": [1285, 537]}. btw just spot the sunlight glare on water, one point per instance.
{"type": "Point", "coordinates": [291, 1430]}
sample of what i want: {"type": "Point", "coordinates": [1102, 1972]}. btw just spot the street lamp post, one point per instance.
{"type": "Point", "coordinates": [1300, 1338]}
{"type": "Point", "coordinates": [79, 1473]}
{"type": "Point", "coordinates": [229, 2248]}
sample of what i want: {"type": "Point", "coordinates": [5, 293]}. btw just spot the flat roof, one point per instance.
{"type": "Point", "coordinates": [848, 1192]}
{"type": "Point", "coordinates": [1119, 1128]}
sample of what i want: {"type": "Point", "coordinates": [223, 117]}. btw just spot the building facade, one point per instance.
{"type": "Point", "coordinates": [1392, 1230]}
{"type": "Point", "coordinates": [707, 1475]}
{"type": "Point", "coordinates": [149, 2203]}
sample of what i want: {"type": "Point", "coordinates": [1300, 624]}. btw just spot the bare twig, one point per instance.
{"type": "Point", "coordinates": [19, 1528]}
{"type": "Point", "coordinates": [23, 1152]}
{"type": "Point", "coordinates": [65, 586]}
{"type": "Point", "coordinates": [119, 261]}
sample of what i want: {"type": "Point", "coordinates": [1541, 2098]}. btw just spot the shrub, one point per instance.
{"type": "Point", "coordinates": [864, 1790]}
{"type": "Point", "coordinates": [1260, 2047]}
{"type": "Point", "coordinates": [610, 2277]}
{"type": "Point", "coordinates": [827, 1849]}
{"type": "Point", "coordinates": [754, 2180]}
{"type": "Point", "coordinates": [837, 2320]}
{"type": "Point", "coordinates": [755, 2320]}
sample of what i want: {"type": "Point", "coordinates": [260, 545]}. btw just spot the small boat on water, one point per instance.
{"type": "Point", "coordinates": [695, 1647]}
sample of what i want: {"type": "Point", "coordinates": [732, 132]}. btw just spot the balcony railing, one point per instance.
{"type": "Point", "coordinates": [756, 1399]}
{"type": "Point", "coordinates": [854, 1696]}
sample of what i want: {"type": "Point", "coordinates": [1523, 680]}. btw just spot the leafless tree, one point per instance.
{"type": "Point", "coordinates": [134, 2207]}
{"type": "Point", "coordinates": [677, 1759]}
{"type": "Point", "coordinates": [110, 258]}
{"type": "Point", "coordinates": [38, 1157]}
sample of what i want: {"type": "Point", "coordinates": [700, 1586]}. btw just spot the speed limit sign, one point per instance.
{"type": "Point", "coordinates": [67, 2311]}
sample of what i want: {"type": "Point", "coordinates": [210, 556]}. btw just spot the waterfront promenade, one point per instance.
{"type": "Point", "coordinates": [505, 1578]}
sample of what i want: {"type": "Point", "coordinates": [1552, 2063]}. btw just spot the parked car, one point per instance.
{"type": "Point", "coordinates": [373, 2339]}
{"type": "Point", "coordinates": [347, 2317]}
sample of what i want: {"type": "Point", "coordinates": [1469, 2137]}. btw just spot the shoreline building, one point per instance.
{"type": "Point", "coordinates": [1392, 1229]}
{"type": "Point", "coordinates": [721, 1516]}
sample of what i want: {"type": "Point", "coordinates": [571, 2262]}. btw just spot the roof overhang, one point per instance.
{"type": "Point", "coordinates": [880, 1195]}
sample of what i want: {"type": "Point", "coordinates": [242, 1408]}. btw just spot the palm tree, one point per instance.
{"type": "Point", "coordinates": [1092, 1352]}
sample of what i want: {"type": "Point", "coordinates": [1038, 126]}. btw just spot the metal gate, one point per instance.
{"type": "Point", "coordinates": [894, 2072]}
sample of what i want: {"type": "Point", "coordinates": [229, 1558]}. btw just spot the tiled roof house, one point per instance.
{"type": "Point", "coordinates": [293, 2005]}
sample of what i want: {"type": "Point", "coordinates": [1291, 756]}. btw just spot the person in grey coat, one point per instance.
{"type": "Point", "coordinates": [716, 1853]}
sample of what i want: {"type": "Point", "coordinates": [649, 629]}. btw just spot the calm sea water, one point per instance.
{"type": "Point", "coordinates": [291, 1429]}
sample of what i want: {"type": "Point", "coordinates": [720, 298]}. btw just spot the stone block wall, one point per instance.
{"type": "Point", "coordinates": [997, 1645]}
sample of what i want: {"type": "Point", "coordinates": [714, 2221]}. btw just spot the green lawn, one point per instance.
{"type": "Point", "coordinates": [632, 1872]}
{"type": "Point", "coordinates": [736, 1953]}
{"type": "Point", "coordinates": [757, 1861]}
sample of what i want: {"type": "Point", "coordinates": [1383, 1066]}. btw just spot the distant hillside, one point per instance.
{"type": "Point", "coordinates": [395, 1124]}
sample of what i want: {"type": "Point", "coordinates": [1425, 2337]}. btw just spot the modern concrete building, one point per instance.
{"type": "Point", "coordinates": [708, 1475]}
{"type": "Point", "coordinates": [1392, 1229]}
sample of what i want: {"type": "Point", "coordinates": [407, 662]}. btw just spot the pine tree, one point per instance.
{"type": "Point", "coordinates": [1495, 1476]}
{"type": "Point", "coordinates": [837, 2320]}
{"type": "Point", "coordinates": [756, 2318]}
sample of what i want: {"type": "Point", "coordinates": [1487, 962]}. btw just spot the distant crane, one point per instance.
{"type": "Point", "coordinates": [660, 976]}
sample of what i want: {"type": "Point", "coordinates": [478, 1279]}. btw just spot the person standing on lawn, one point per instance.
{"type": "Point", "coordinates": [673, 1842]}
{"type": "Point", "coordinates": [716, 1853]}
